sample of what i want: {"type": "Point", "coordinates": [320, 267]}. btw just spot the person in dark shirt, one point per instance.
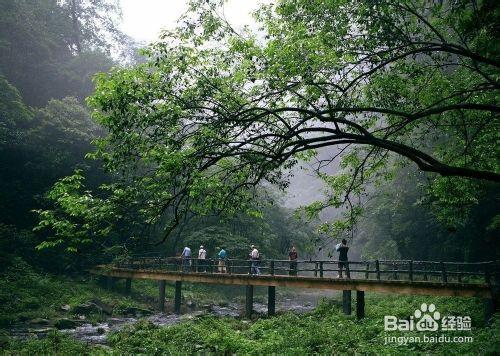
{"type": "Point", "coordinates": [342, 249]}
{"type": "Point", "coordinates": [292, 257]}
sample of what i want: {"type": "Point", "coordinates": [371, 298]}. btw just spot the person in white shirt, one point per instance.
{"type": "Point", "coordinates": [186, 259]}
{"type": "Point", "coordinates": [255, 257]}
{"type": "Point", "coordinates": [202, 255]}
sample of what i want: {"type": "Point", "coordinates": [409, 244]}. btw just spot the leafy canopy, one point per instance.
{"type": "Point", "coordinates": [215, 112]}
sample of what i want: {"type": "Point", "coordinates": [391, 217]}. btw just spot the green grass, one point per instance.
{"type": "Point", "coordinates": [55, 343]}
{"type": "Point", "coordinates": [325, 331]}
{"type": "Point", "coordinates": [26, 294]}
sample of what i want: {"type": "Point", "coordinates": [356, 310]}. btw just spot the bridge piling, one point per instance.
{"type": "Point", "coordinates": [161, 298]}
{"type": "Point", "coordinates": [271, 301]}
{"type": "Point", "coordinates": [360, 304]}
{"type": "Point", "coordinates": [346, 301]}
{"type": "Point", "coordinates": [489, 309]}
{"type": "Point", "coordinates": [443, 272]}
{"type": "Point", "coordinates": [128, 286]}
{"type": "Point", "coordinates": [177, 298]}
{"type": "Point", "coordinates": [249, 301]}
{"type": "Point", "coordinates": [110, 282]}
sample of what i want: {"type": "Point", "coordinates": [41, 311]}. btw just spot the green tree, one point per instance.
{"type": "Point", "coordinates": [94, 24]}
{"type": "Point", "coordinates": [38, 53]}
{"type": "Point", "coordinates": [14, 115]}
{"type": "Point", "coordinates": [214, 113]}
{"type": "Point", "coordinates": [398, 224]}
{"type": "Point", "coordinates": [39, 147]}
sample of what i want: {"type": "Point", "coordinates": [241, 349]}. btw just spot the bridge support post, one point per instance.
{"type": "Point", "coordinates": [128, 286]}
{"type": "Point", "coordinates": [346, 301]}
{"type": "Point", "coordinates": [249, 301]}
{"type": "Point", "coordinates": [489, 309]}
{"type": "Point", "coordinates": [271, 300]}
{"type": "Point", "coordinates": [102, 280]}
{"type": "Point", "coordinates": [360, 304]}
{"type": "Point", "coordinates": [110, 282]}
{"type": "Point", "coordinates": [161, 296]}
{"type": "Point", "coordinates": [177, 298]}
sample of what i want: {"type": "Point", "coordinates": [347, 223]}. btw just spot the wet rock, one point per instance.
{"type": "Point", "coordinates": [199, 347]}
{"type": "Point", "coordinates": [106, 308]}
{"type": "Point", "coordinates": [65, 308]}
{"type": "Point", "coordinates": [39, 321]}
{"type": "Point", "coordinates": [65, 323]}
{"type": "Point", "coordinates": [86, 308]}
{"type": "Point", "coordinates": [200, 313]}
{"type": "Point", "coordinates": [101, 331]}
{"type": "Point", "coordinates": [193, 315]}
{"type": "Point", "coordinates": [136, 311]}
{"type": "Point", "coordinates": [186, 317]}
{"type": "Point", "coordinates": [94, 306]}
{"type": "Point", "coordinates": [40, 330]}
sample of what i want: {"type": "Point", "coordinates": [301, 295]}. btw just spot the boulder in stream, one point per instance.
{"type": "Point", "coordinates": [94, 306]}
{"type": "Point", "coordinates": [135, 311]}
{"type": "Point", "coordinates": [106, 308]}
{"type": "Point", "coordinates": [101, 331]}
{"type": "Point", "coordinates": [86, 308]}
{"type": "Point", "coordinates": [65, 323]}
{"type": "Point", "coordinates": [39, 321]}
{"type": "Point", "coordinates": [39, 331]}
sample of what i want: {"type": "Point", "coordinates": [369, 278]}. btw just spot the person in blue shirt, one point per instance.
{"type": "Point", "coordinates": [222, 260]}
{"type": "Point", "coordinates": [186, 259]}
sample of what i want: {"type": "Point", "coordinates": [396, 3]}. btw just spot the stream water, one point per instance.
{"type": "Point", "coordinates": [97, 333]}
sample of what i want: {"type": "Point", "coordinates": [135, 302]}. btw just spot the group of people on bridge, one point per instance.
{"type": "Point", "coordinates": [202, 262]}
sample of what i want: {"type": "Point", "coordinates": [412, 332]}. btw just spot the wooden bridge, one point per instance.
{"type": "Point", "coordinates": [385, 276]}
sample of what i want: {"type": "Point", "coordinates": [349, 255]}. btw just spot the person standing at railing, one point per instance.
{"type": "Point", "coordinates": [292, 257]}
{"type": "Point", "coordinates": [255, 257]}
{"type": "Point", "coordinates": [342, 249]}
{"type": "Point", "coordinates": [186, 259]}
{"type": "Point", "coordinates": [222, 260]}
{"type": "Point", "coordinates": [202, 256]}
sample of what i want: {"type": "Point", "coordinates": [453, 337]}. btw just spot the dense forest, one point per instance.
{"type": "Point", "coordinates": [47, 65]}
{"type": "Point", "coordinates": [110, 148]}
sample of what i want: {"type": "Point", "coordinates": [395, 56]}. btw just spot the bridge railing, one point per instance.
{"type": "Point", "coordinates": [406, 270]}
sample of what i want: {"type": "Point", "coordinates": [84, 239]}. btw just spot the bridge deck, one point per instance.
{"type": "Point", "coordinates": [384, 286]}
{"type": "Point", "coordinates": [479, 279]}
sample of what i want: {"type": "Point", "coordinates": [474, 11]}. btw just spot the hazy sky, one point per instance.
{"type": "Point", "coordinates": [143, 19]}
